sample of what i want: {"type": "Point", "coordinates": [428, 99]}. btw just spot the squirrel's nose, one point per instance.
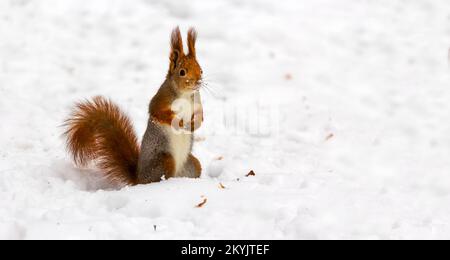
{"type": "Point", "coordinates": [190, 81]}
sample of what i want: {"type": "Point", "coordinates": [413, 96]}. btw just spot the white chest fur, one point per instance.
{"type": "Point", "coordinates": [180, 141]}
{"type": "Point", "coordinates": [180, 144]}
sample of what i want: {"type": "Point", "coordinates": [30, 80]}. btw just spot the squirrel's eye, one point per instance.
{"type": "Point", "coordinates": [182, 72]}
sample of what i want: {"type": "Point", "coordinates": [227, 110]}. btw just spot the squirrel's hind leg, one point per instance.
{"type": "Point", "coordinates": [192, 168]}
{"type": "Point", "coordinates": [153, 170]}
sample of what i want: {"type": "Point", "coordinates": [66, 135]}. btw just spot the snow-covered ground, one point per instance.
{"type": "Point", "coordinates": [341, 108]}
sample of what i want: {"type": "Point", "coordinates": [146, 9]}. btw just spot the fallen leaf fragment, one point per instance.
{"type": "Point", "coordinates": [203, 203]}
{"type": "Point", "coordinates": [329, 137]}
{"type": "Point", "coordinates": [251, 173]}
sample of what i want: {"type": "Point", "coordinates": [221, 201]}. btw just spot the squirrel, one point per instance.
{"type": "Point", "coordinates": [98, 131]}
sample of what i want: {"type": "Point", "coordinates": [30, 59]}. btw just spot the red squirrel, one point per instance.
{"type": "Point", "coordinates": [98, 131]}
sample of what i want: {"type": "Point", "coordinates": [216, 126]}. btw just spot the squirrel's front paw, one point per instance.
{"type": "Point", "coordinates": [193, 125]}
{"type": "Point", "coordinates": [196, 121]}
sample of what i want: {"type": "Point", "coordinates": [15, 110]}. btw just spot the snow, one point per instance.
{"type": "Point", "coordinates": [340, 107]}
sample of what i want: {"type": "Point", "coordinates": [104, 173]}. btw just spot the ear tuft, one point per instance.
{"type": "Point", "coordinates": [192, 38]}
{"type": "Point", "coordinates": [176, 40]}
{"type": "Point", "coordinates": [176, 52]}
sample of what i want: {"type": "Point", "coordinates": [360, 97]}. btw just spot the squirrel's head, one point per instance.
{"type": "Point", "coordinates": [184, 69]}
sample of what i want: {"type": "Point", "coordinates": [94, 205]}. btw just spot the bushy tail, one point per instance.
{"type": "Point", "coordinates": [98, 131]}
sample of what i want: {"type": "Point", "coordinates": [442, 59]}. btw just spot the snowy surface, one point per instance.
{"type": "Point", "coordinates": [342, 109]}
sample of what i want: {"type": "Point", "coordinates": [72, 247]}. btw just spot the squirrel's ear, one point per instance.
{"type": "Point", "coordinates": [192, 38]}
{"type": "Point", "coordinates": [176, 52]}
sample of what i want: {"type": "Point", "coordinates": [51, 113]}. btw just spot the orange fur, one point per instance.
{"type": "Point", "coordinates": [160, 107]}
{"type": "Point", "coordinates": [98, 131]}
{"type": "Point", "coordinates": [197, 165]}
